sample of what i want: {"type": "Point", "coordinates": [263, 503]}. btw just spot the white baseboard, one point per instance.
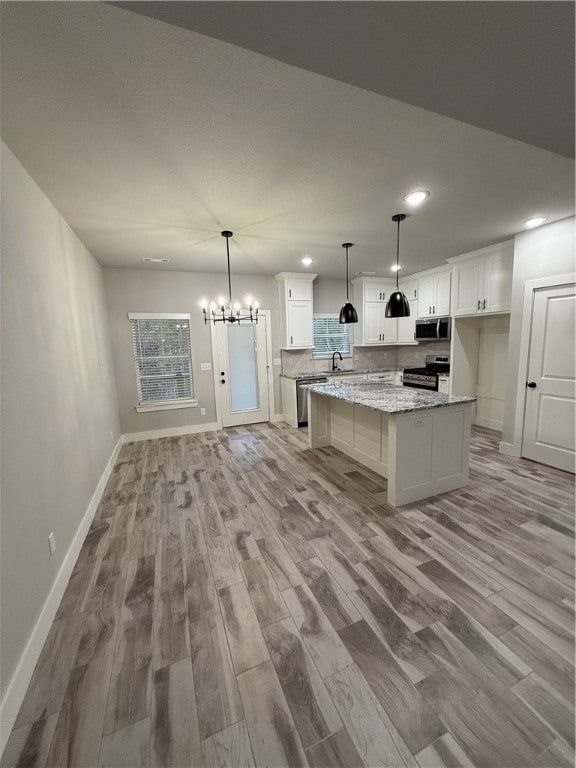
{"type": "Point", "coordinates": [276, 417]}
{"type": "Point", "coordinates": [18, 685]}
{"type": "Point", "coordinates": [152, 434]}
{"type": "Point", "coordinates": [509, 449]}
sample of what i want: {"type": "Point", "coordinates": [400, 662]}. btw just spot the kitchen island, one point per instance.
{"type": "Point", "coordinates": [418, 440]}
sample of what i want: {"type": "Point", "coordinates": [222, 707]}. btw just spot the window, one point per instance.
{"type": "Point", "coordinates": [330, 336]}
{"type": "Point", "coordinates": [163, 360]}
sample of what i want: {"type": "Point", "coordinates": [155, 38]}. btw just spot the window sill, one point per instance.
{"type": "Point", "coordinates": [167, 406]}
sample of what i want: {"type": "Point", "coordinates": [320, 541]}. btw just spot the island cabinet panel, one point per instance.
{"type": "Point", "coordinates": [420, 446]}
{"type": "Point", "coordinates": [429, 453]}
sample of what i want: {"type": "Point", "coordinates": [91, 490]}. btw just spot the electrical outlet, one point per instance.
{"type": "Point", "coordinates": [52, 542]}
{"type": "Point", "coordinates": [202, 411]}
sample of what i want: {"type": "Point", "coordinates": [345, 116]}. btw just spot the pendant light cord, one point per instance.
{"type": "Point", "coordinates": [397, 254]}
{"type": "Point", "coordinates": [229, 274]}
{"type": "Point", "coordinates": [347, 281]}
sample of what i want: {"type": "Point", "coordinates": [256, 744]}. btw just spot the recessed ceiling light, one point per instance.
{"type": "Point", "coordinates": [396, 267]}
{"type": "Point", "coordinates": [307, 260]}
{"type": "Point", "coordinates": [535, 222]}
{"type": "Point", "coordinates": [416, 197]}
{"type": "Point", "coordinates": [155, 261]}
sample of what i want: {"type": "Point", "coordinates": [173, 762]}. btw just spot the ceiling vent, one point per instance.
{"type": "Point", "coordinates": [156, 261]}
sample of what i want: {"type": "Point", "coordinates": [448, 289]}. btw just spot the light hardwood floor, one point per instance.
{"type": "Point", "coordinates": [241, 600]}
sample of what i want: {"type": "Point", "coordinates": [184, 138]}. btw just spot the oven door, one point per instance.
{"type": "Point", "coordinates": [421, 382]}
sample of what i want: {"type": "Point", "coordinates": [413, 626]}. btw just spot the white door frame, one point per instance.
{"type": "Point", "coordinates": [530, 286]}
{"type": "Point", "coordinates": [267, 314]}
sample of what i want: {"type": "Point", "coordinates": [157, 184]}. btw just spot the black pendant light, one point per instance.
{"type": "Point", "coordinates": [348, 312]}
{"type": "Point", "coordinates": [398, 305]}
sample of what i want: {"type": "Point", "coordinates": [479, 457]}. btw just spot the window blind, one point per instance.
{"type": "Point", "coordinates": [163, 357]}
{"type": "Point", "coordinates": [330, 336]}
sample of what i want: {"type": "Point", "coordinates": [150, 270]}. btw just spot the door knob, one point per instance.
{"type": "Point", "coordinates": [531, 384]}
{"type": "Point", "coordinates": [222, 381]}
{"type": "Point", "coordinates": [222, 373]}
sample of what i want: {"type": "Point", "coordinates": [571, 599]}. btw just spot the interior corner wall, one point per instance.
{"type": "Point", "coordinates": [152, 290]}
{"type": "Point", "coordinates": [542, 252]}
{"type": "Point", "coordinates": [59, 409]}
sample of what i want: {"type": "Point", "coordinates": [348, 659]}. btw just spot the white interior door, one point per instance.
{"type": "Point", "coordinates": [242, 368]}
{"type": "Point", "coordinates": [550, 411]}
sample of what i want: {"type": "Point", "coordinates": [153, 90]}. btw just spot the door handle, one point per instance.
{"type": "Point", "coordinates": [479, 304]}
{"type": "Point", "coordinates": [531, 384]}
{"type": "Point", "coordinates": [484, 304]}
{"type": "Point", "coordinates": [433, 310]}
{"type": "Point", "coordinates": [429, 310]}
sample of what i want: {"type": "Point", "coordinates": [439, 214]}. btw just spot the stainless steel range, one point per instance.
{"type": "Point", "coordinates": [427, 377]}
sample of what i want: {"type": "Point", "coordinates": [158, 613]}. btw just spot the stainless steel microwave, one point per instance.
{"type": "Point", "coordinates": [433, 329]}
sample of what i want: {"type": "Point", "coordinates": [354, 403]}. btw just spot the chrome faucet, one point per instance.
{"type": "Point", "coordinates": [334, 366]}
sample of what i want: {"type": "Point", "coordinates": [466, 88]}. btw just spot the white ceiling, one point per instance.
{"type": "Point", "coordinates": [150, 139]}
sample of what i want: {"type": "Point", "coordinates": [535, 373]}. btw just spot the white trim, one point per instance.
{"type": "Point", "coordinates": [508, 449]}
{"type": "Point", "coordinates": [158, 315]}
{"type": "Point", "coordinates": [152, 434]}
{"type": "Point", "coordinates": [530, 286]}
{"type": "Point", "coordinates": [479, 253]}
{"type": "Point", "coordinates": [277, 417]}
{"type": "Point", "coordinates": [23, 673]}
{"type": "Point", "coordinates": [168, 406]}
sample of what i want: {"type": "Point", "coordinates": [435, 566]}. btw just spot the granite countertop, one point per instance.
{"type": "Point", "coordinates": [323, 375]}
{"type": "Point", "coordinates": [386, 398]}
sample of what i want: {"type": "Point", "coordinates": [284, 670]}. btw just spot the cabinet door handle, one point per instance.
{"type": "Point", "coordinates": [429, 310]}
{"type": "Point", "coordinates": [484, 304]}
{"type": "Point", "coordinates": [479, 304]}
{"type": "Point", "coordinates": [433, 310]}
{"type": "Point", "coordinates": [289, 293]}
{"type": "Point", "coordinates": [291, 339]}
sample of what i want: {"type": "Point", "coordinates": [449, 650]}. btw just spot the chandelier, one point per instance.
{"type": "Point", "coordinates": [219, 312]}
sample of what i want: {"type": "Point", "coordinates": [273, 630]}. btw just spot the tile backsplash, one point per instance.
{"type": "Point", "coordinates": [296, 361]}
{"type": "Point", "coordinates": [415, 356]}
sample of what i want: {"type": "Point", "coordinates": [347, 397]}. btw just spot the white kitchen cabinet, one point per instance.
{"type": "Point", "coordinates": [393, 378]}
{"type": "Point", "coordinates": [409, 287]}
{"type": "Point", "coordinates": [434, 294]}
{"type": "Point", "coordinates": [444, 384]}
{"type": "Point", "coordinates": [370, 298]}
{"type": "Point", "coordinates": [407, 325]}
{"type": "Point", "coordinates": [296, 310]}
{"type": "Point", "coordinates": [482, 281]}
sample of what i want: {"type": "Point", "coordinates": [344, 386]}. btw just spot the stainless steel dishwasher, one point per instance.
{"type": "Point", "coordinates": [302, 399]}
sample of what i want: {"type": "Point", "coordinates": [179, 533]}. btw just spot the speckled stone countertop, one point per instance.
{"type": "Point", "coordinates": [385, 398]}
{"type": "Point", "coordinates": [324, 374]}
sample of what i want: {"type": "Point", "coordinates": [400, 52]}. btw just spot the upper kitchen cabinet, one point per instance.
{"type": "Point", "coordinates": [434, 294]}
{"type": "Point", "coordinates": [296, 310]}
{"type": "Point", "coordinates": [407, 325]}
{"type": "Point", "coordinates": [371, 295]}
{"type": "Point", "coordinates": [482, 280]}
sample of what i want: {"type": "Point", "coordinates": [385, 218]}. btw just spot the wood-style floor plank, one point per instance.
{"type": "Point", "coordinates": [175, 739]}
{"type": "Point", "coordinates": [416, 722]}
{"type": "Point", "coordinates": [127, 748]}
{"type": "Point", "coordinates": [312, 709]}
{"type": "Point", "coordinates": [273, 735]}
{"type": "Point", "coordinates": [378, 742]}
{"type": "Point", "coordinates": [229, 748]}
{"type": "Point", "coordinates": [242, 600]}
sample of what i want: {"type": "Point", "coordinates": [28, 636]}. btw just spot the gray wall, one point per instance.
{"type": "Point", "coordinates": [143, 290]}
{"type": "Point", "coordinates": [547, 250]}
{"type": "Point", "coordinates": [59, 409]}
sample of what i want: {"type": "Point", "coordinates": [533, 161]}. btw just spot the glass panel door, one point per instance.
{"type": "Point", "coordinates": [243, 368]}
